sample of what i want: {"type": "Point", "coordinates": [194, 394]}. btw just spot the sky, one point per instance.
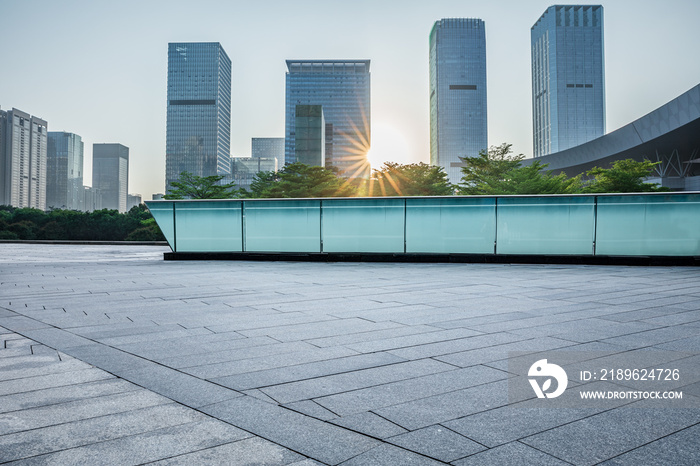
{"type": "Point", "coordinates": [98, 68]}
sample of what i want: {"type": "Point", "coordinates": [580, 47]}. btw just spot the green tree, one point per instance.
{"type": "Point", "coordinates": [298, 180]}
{"type": "Point", "coordinates": [497, 171]}
{"type": "Point", "coordinates": [148, 231]}
{"type": "Point", "coordinates": [415, 179]}
{"type": "Point", "coordinates": [486, 173]}
{"type": "Point", "coordinates": [625, 176]}
{"type": "Point", "coordinates": [189, 186]}
{"type": "Point", "coordinates": [61, 224]}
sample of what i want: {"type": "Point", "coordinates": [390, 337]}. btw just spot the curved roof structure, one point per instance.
{"type": "Point", "coordinates": [672, 130]}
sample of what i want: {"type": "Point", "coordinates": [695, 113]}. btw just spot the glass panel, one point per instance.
{"type": "Point", "coordinates": [283, 226]}
{"type": "Point", "coordinates": [163, 214]}
{"type": "Point", "coordinates": [363, 225]}
{"type": "Point", "coordinates": [545, 225]}
{"type": "Point", "coordinates": [649, 225]}
{"type": "Point", "coordinates": [208, 226]}
{"type": "Point", "coordinates": [451, 225]}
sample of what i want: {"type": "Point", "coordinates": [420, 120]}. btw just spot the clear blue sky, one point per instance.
{"type": "Point", "coordinates": [98, 68]}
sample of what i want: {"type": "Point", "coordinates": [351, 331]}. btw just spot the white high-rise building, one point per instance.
{"type": "Point", "coordinates": [23, 159]}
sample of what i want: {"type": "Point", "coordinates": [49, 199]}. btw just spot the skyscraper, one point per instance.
{"type": "Point", "coordinates": [269, 148]}
{"type": "Point", "coordinates": [568, 77]}
{"type": "Point", "coordinates": [458, 126]}
{"type": "Point", "coordinates": [110, 174]}
{"type": "Point", "coordinates": [198, 136]}
{"type": "Point", "coordinates": [23, 160]}
{"type": "Point", "coordinates": [64, 171]}
{"type": "Point", "coordinates": [342, 88]}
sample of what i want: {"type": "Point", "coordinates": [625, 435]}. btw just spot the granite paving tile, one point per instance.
{"type": "Point", "coordinates": [148, 446]}
{"type": "Point", "coordinates": [311, 408]}
{"type": "Point", "coordinates": [322, 386]}
{"type": "Point", "coordinates": [652, 337]}
{"type": "Point", "coordinates": [214, 357]}
{"type": "Point", "coordinates": [158, 350]}
{"type": "Point", "coordinates": [99, 429]}
{"type": "Point", "coordinates": [246, 452]}
{"type": "Point", "coordinates": [612, 433]}
{"type": "Point", "coordinates": [437, 442]}
{"type": "Point", "coordinates": [183, 388]}
{"type": "Point", "coordinates": [389, 454]}
{"type": "Point", "coordinates": [57, 395]}
{"type": "Point", "coordinates": [412, 340]}
{"type": "Point", "coordinates": [83, 409]}
{"type": "Point", "coordinates": [373, 335]}
{"type": "Point", "coordinates": [676, 449]}
{"type": "Point", "coordinates": [297, 372]}
{"type": "Point", "coordinates": [442, 348]}
{"type": "Point", "coordinates": [511, 454]}
{"type": "Point", "coordinates": [43, 366]}
{"type": "Point", "coordinates": [370, 424]}
{"type": "Point", "coordinates": [387, 394]}
{"type": "Point", "coordinates": [445, 407]}
{"type": "Point", "coordinates": [318, 329]}
{"type": "Point", "coordinates": [500, 352]}
{"type": "Point", "coordinates": [238, 366]}
{"type": "Point", "coordinates": [322, 441]}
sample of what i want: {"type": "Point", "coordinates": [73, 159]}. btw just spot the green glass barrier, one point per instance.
{"type": "Point", "coordinates": [283, 226]}
{"type": "Point", "coordinates": [363, 225]}
{"type": "Point", "coordinates": [163, 214]}
{"type": "Point", "coordinates": [208, 226]}
{"type": "Point", "coordinates": [451, 225]}
{"type": "Point", "coordinates": [659, 225]}
{"type": "Point", "coordinates": [545, 225]}
{"type": "Point", "coordinates": [622, 225]}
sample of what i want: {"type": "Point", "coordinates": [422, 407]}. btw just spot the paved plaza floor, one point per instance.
{"type": "Point", "coordinates": [111, 355]}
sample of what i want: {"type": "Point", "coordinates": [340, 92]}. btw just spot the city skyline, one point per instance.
{"type": "Point", "coordinates": [641, 45]}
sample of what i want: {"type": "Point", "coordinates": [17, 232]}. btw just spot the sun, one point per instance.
{"type": "Point", "coordinates": [388, 145]}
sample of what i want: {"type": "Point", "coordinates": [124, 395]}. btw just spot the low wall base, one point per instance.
{"type": "Point", "coordinates": [436, 258]}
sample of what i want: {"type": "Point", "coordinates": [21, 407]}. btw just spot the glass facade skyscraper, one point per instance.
{"type": "Point", "coordinates": [458, 125]}
{"type": "Point", "coordinates": [568, 77]}
{"type": "Point", "coordinates": [198, 135]}
{"type": "Point", "coordinates": [269, 148]}
{"type": "Point", "coordinates": [110, 174]}
{"type": "Point", "coordinates": [64, 171]}
{"type": "Point", "coordinates": [342, 88]}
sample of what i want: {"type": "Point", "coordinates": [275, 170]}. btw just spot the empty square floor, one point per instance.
{"type": "Point", "coordinates": [111, 355]}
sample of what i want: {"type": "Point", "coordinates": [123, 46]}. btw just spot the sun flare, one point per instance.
{"type": "Point", "coordinates": [388, 145]}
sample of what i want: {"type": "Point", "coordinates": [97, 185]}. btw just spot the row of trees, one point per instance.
{"type": "Point", "coordinates": [495, 171]}
{"type": "Point", "coordinates": [58, 224]}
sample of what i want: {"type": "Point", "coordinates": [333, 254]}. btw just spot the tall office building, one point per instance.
{"type": "Point", "coordinates": [458, 126]}
{"type": "Point", "coordinates": [110, 175]}
{"type": "Point", "coordinates": [342, 88]}
{"type": "Point", "coordinates": [198, 135]}
{"type": "Point", "coordinates": [269, 148]}
{"type": "Point", "coordinates": [64, 171]}
{"type": "Point", "coordinates": [23, 160]}
{"type": "Point", "coordinates": [568, 77]}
